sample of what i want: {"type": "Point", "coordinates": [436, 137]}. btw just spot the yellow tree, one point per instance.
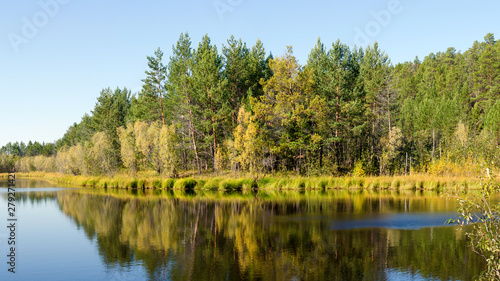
{"type": "Point", "coordinates": [100, 155]}
{"type": "Point", "coordinates": [76, 160]}
{"type": "Point", "coordinates": [168, 150]}
{"type": "Point", "coordinates": [390, 148]}
{"type": "Point", "coordinates": [148, 144]}
{"type": "Point", "coordinates": [128, 149]}
{"type": "Point", "coordinates": [286, 109]}
{"type": "Point", "coordinates": [62, 160]}
{"type": "Point", "coordinates": [248, 143]}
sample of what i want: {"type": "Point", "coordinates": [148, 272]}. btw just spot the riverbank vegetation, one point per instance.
{"type": "Point", "coordinates": [278, 183]}
{"type": "Point", "coordinates": [482, 210]}
{"type": "Point", "coordinates": [347, 111]}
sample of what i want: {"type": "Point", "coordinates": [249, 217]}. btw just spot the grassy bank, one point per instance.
{"type": "Point", "coordinates": [414, 182]}
{"type": "Point", "coordinates": [4, 176]}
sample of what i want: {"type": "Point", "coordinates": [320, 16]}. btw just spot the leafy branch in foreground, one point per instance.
{"type": "Point", "coordinates": [483, 212]}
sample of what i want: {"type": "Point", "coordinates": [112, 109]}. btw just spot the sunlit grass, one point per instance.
{"type": "Point", "coordinates": [229, 182]}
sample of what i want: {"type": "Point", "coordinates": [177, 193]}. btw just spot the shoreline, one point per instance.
{"type": "Point", "coordinates": [298, 183]}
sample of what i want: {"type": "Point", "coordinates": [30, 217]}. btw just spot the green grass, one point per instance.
{"type": "Point", "coordinates": [188, 183]}
{"type": "Point", "coordinates": [281, 183]}
{"type": "Point", "coordinates": [167, 183]}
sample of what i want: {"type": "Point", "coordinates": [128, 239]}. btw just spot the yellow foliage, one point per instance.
{"type": "Point", "coordinates": [76, 163]}
{"type": "Point", "coordinates": [248, 142]}
{"type": "Point", "coordinates": [147, 141]}
{"type": "Point", "coordinates": [142, 142]}
{"type": "Point", "coordinates": [169, 153]}
{"type": "Point", "coordinates": [128, 149]}
{"type": "Point", "coordinates": [442, 167]}
{"type": "Point", "coordinates": [462, 134]}
{"type": "Point", "coordinates": [390, 146]}
{"type": "Point", "coordinates": [358, 170]}
{"type": "Point", "coordinates": [220, 159]}
{"type": "Point", "coordinates": [99, 155]}
{"type": "Point", "coordinates": [231, 154]}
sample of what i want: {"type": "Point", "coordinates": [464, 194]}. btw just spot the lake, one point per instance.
{"type": "Point", "coordinates": [67, 233]}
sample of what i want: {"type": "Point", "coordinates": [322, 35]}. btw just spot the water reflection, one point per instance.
{"type": "Point", "coordinates": [272, 236]}
{"type": "Point", "coordinates": [395, 220]}
{"type": "Point", "coordinates": [264, 235]}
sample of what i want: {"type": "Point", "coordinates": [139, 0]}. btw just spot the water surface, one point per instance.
{"type": "Point", "coordinates": [92, 234]}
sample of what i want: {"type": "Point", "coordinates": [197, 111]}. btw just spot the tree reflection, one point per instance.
{"type": "Point", "coordinates": [179, 236]}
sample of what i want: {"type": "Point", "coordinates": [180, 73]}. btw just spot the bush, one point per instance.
{"type": "Point", "coordinates": [358, 170]}
{"type": "Point", "coordinates": [485, 217]}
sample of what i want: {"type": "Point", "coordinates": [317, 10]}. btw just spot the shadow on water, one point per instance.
{"type": "Point", "coordinates": [395, 221]}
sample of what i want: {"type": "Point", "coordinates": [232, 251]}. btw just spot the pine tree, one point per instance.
{"type": "Point", "coordinates": [110, 112]}
{"type": "Point", "coordinates": [182, 96]}
{"type": "Point", "coordinates": [373, 71]}
{"type": "Point", "coordinates": [211, 108]}
{"type": "Point", "coordinates": [258, 68]}
{"type": "Point", "coordinates": [487, 76]}
{"type": "Point", "coordinates": [237, 74]}
{"type": "Point", "coordinates": [148, 106]}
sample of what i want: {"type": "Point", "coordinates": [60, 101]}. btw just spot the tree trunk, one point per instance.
{"type": "Point", "coordinates": [191, 130]}
{"type": "Point", "coordinates": [321, 156]}
{"type": "Point", "coordinates": [406, 164]}
{"type": "Point", "coordinates": [214, 132]}
{"type": "Point", "coordinates": [161, 100]}
{"type": "Point", "coordinates": [433, 143]}
{"type": "Point", "coordinates": [337, 111]}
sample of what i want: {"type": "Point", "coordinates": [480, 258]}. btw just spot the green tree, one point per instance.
{"type": "Point", "coordinates": [110, 112]}
{"type": "Point", "coordinates": [211, 108]}
{"type": "Point", "coordinates": [148, 106]}
{"type": "Point", "coordinates": [181, 93]}
{"type": "Point", "coordinates": [487, 75]}
{"type": "Point", "coordinates": [236, 72]}
{"type": "Point", "coordinates": [258, 68]}
{"type": "Point", "coordinates": [77, 133]}
{"type": "Point", "coordinates": [374, 70]}
{"type": "Point", "coordinates": [492, 121]}
{"type": "Point", "coordinates": [336, 75]}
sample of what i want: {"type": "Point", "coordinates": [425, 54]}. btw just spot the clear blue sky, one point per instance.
{"type": "Point", "coordinates": [57, 57]}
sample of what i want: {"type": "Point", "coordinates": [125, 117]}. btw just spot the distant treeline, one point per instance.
{"type": "Point", "coordinates": [348, 110]}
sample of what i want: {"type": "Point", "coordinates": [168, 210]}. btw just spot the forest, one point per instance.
{"type": "Point", "coordinates": [347, 111]}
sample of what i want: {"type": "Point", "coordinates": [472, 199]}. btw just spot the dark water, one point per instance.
{"type": "Point", "coordinates": [81, 234]}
